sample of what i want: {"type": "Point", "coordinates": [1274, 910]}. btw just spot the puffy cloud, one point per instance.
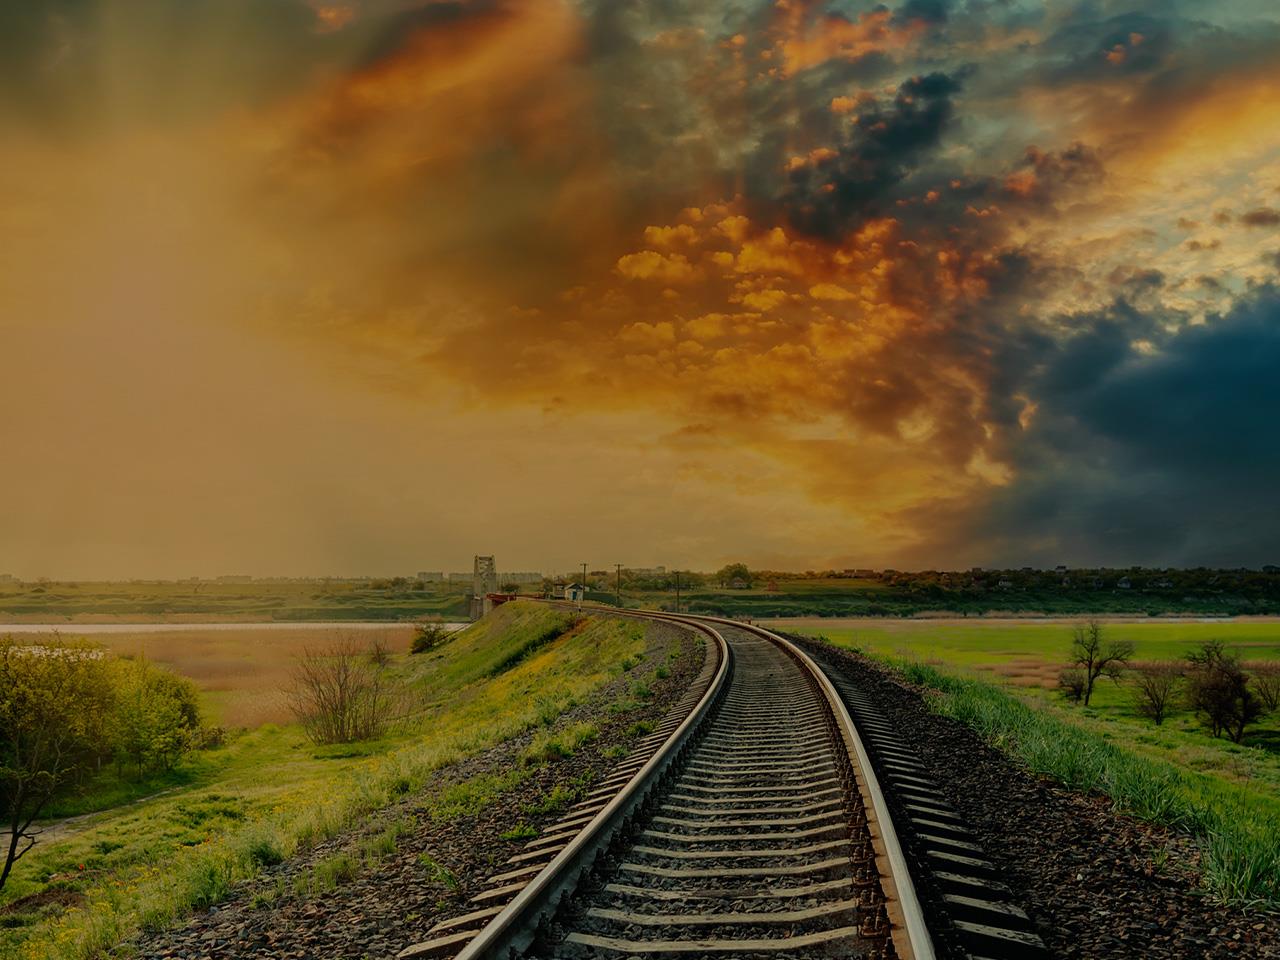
{"type": "Point", "coordinates": [651, 265]}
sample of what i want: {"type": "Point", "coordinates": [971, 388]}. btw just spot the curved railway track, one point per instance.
{"type": "Point", "coordinates": [750, 824]}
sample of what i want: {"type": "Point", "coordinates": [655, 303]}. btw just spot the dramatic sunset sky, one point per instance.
{"type": "Point", "coordinates": [369, 286]}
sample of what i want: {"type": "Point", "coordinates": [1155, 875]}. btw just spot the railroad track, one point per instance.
{"type": "Point", "coordinates": [751, 824]}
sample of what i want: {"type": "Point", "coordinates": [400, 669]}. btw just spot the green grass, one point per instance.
{"type": "Point", "coordinates": [1025, 658]}
{"type": "Point", "coordinates": [995, 643]}
{"type": "Point", "coordinates": [1239, 825]}
{"type": "Point", "coordinates": [269, 793]}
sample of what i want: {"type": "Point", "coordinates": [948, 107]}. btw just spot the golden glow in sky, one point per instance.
{"type": "Point", "coordinates": [369, 287]}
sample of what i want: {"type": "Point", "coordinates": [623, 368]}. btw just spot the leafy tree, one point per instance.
{"type": "Point", "coordinates": [1218, 690]}
{"type": "Point", "coordinates": [1155, 688]}
{"type": "Point", "coordinates": [55, 701]}
{"type": "Point", "coordinates": [156, 716]}
{"type": "Point", "coordinates": [733, 571]}
{"type": "Point", "coordinates": [1096, 656]}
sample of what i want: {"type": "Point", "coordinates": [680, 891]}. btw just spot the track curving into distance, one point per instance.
{"type": "Point", "coordinates": [750, 825]}
{"type": "Point", "coordinates": [760, 847]}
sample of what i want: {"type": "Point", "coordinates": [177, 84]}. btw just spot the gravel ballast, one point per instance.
{"type": "Point", "coordinates": [1097, 883]}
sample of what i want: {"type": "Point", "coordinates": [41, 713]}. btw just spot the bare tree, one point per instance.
{"type": "Point", "coordinates": [338, 695]}
{"type": "Point", "coordinates": [1266, 683]}
{"type": "Point", "coordinates": [1155, 688]}
{"type": "Point", "coordinates": [1098, 657]}
{"type": "Point", "coordinates": [379, 653]}
{"type": "Point", "coordinates": [1218, 690]}
{"type": "Point", "coordinates": [1071, 683]}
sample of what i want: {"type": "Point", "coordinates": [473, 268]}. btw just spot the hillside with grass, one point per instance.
{"type": "Point", "coordinates": [226, 813]}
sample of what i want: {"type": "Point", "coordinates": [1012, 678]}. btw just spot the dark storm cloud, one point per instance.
{"type": "Point", "coordinates": [1262, 217]}
{"type": "Point", "coordinates": [1166, 459]}
{"type": "Point", "coordinates": [929, 11]}
{"type": "Point", "coordinates": [882, 146]}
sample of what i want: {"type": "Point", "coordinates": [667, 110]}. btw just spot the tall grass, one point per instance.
{"type": "Point", "coordinates": [1239, 828]}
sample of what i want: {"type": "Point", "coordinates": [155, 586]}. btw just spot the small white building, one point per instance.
{"type": "Point", "coordinates": [575, 593]}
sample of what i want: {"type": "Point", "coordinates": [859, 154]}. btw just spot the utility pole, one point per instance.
{"type": "Point", "coordinates": [617, 583]}
{"type": "Point", "coordinates": [677, 591]}
{"type": "Point", "coordinates": [583, 595]}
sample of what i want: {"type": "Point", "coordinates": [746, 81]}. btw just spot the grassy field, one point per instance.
{"type": "Point", "coordinates": [851, 597]}
{"type": "Point", "coordinates": [261, 600]}
{"type": "Point", "coordinates": [998, 677]}
{"type": "Point", "coordinates": [783, 596]}
{"type": "Point", "coordinates": [1026, 657]}
{"type": "Point", "coordinates": [226, 812]}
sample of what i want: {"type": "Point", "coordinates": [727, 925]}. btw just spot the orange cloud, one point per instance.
{"type": "Point", "coordinates": [808, 41]}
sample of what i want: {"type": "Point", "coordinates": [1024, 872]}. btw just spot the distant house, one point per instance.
{"type": "Point", "coordinates": [1271, 568]}
{"type": "Point", "coordinates": [1004, 583]}
{"type": "Point", "coordinates": [1060, 569]}
{"type": "Point", "coordinates": [1123, 583]}
{"type": "Point", "coordinates": [739, 584]}
{"type": "Point", "coordinates": [431, 576]}
{"type": "Point", "coordinates": [1164, 584]}
{"type": "Point", "coordinates": [575, 593]}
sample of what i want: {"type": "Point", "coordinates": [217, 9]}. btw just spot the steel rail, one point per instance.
{"type": "Point", "coordinates": [513, 929]}
{"type": "Point", "coordinates": [911, 937]}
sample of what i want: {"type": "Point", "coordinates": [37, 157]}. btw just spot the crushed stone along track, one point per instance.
{"type": "Point", "coordinates": [759, 847]}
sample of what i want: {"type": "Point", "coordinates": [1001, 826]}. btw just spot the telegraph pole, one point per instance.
{"type": "Point", "coordinates": [583, 595]}
{"type": "Point", "coordinates": [617, 588]}
{"type": "Point", "coordinates": [677, 591]}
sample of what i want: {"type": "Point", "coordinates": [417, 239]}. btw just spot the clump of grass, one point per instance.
{"type": "Point", "coordinates": [640, 690]}
{"type": "Point", "coordinates": [469, 798]}
{"type": "Point", "coordinates": [384, 843]}
{"type": "Point", "coordinates": [556, 800]}
{"type": "Point", "coordinates": [661, 673]}
{"type": "Point", "coordinates": [550, 708]}
{"type": "Point", "coordinates": [438, 872]}
{"type": "Point", "coordinates": [549, 747]}
{"type": "Point", "coordinates": [332, 872]}
{"type": "Point", "coordinates": [521, 831]}
{"type": "Point", "coordinates": [616, 752]}
{"type": "Point", "coordinates": [640, 728]}
{"type": "Point", "coordinates": [264, 851]}
{"type": "Point", "coordinates": [1239, 828]}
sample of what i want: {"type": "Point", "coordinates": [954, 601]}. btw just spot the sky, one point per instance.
{"type": "Point", "coordinates": [371, 286]}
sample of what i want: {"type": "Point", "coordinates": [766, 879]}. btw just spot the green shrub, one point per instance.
{"type": "Point", "coordinates": [428, 637]}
